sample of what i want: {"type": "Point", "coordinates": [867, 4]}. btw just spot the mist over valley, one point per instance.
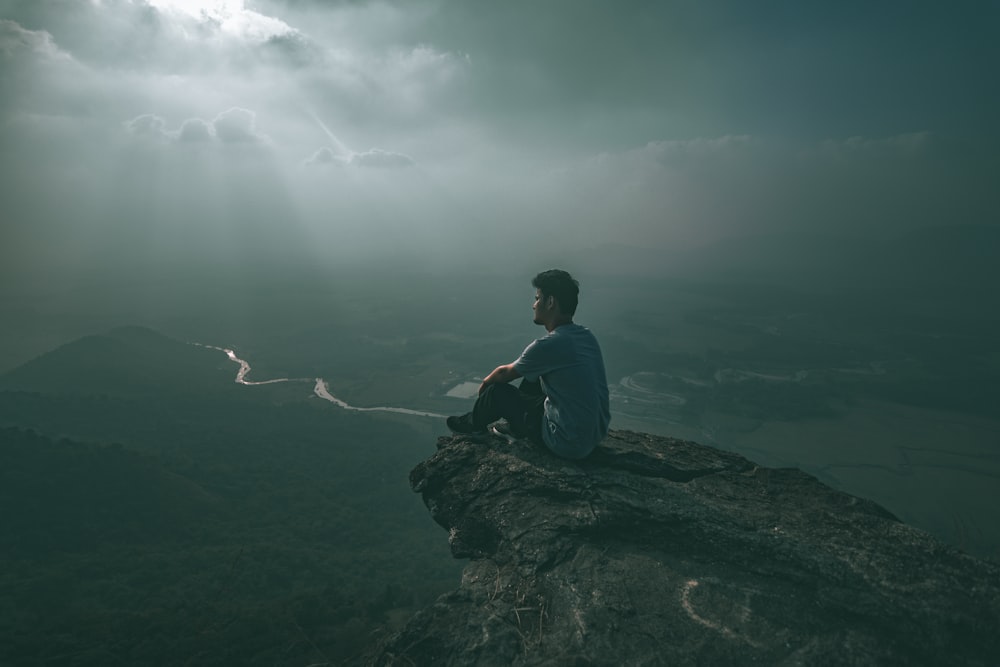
{"type": "Point", "coordinates": [780, 257]}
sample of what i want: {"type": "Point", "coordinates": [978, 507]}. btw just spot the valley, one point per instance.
{"type": "Point", "coordinates": [255, 485]}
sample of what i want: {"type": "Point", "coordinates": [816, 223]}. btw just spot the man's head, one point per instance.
{"type": "Point", "coordinates": [556, 297]}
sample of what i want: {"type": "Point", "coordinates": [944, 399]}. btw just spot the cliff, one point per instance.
{"type": "Point", "coordinates": [660, 551]}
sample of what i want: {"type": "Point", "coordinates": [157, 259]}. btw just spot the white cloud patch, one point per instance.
{"type": "Point", "coordinates": [237, 126]}
{"type": "Point", "coordinates": [233, 126]}
{"type": "Point", "coordinates": [375, 158]}
{"type": "Point", "coordinates": [148, 125]}
{"type": "Point", "coordinates": [195, 131]}
{"type": "Point", "coordinates": [378, 158]}
{"type": "Point", "coordinates": [187, 59]}
{"type": "Point", "coordinates": [324, 156]}
{"type": "Point", "coordinates": [168, 37]}
{"type": "Point", "coordinates": [227, 17]}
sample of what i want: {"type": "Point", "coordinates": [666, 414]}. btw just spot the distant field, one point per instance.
{"type": "Point", "coordinates": [888, 402]}
{"type": "Point", "coordinates": [888, 395]}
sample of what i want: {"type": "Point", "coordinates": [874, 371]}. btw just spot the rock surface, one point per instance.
{"type": "Point", "coordinates": [658, 551]}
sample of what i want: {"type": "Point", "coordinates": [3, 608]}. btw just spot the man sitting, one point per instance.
{"type": "Point", "coordinates": [562, 400]}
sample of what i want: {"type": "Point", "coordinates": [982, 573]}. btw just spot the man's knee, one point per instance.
{"type": "Point", "coordinates": [494, 401]}
{"type": "Point", "coordinates": [494, 391]}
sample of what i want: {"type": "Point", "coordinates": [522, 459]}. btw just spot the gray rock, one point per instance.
{"type": "Point", "coordinates": [657, 551]}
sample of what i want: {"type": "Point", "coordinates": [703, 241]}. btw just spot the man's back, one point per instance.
{"type": "Point", "coordinates": [569, 363]}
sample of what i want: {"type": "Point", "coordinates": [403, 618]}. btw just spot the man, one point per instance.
{"type": "Point", "coordinates": [562, 401]}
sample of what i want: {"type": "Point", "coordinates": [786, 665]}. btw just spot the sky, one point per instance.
{"type": "Point", "coordinates": [145, 135]}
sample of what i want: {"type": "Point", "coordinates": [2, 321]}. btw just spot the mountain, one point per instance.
{"type": "Point", "coordinates": [127, 361]}
{"type": "Point", "coordinates": [156, 513]}
{"type": "Point", "coordinates": [661, 551]}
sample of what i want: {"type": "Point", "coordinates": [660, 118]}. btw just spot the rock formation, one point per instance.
{"type": "Point", "coordinates": [657, 551]}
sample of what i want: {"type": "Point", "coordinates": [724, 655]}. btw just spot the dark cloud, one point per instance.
{"type": "Point", "coordinates": [641, 70]}
{"type": "Point", "coordinates": [658, 124]}
{"type": "Point", "coordinates": [16, 41]}
{"type": "Point", "coordinates": [292, 49]}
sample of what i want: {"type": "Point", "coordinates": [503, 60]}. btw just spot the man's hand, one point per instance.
{"type": "Point", "coordinates": [500, 375]}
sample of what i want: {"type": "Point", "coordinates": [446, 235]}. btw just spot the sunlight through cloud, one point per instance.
{"type": "Point", "coordinates": [231, 16]}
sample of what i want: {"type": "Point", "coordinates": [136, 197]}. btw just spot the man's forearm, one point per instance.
{"type": "Point", "coordinates": [500, 375]}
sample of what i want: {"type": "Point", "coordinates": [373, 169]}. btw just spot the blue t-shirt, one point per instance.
{"type": "Point", "coordinates": [568, 360]}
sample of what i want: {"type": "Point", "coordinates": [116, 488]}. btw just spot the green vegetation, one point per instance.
{"type": "Point", "coordinates": [220, 527]}
{"type": "Point", "coordinates": [156, 513]}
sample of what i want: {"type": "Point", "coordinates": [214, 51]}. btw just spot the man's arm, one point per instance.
{"type": "Point", "coordinates": [500, 375]}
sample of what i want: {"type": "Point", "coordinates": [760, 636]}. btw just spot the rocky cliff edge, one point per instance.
{"type": "Point", "coordinates": [658, 551]}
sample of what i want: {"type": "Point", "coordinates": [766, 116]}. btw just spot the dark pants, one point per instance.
{"type": "Point", "coordinates": [521, 406]}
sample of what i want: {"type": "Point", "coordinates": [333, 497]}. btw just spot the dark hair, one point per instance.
{"type": "Point", "coordinates": [559, 284]}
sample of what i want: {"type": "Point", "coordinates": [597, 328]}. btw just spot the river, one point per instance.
{"type": "Point", "coordinates": [320, 387]}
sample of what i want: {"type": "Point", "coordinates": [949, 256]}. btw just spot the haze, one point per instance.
{"type": "Point", "coordinates": [140, 137]}
{"type": "Point", "coordinates": [783, 216]}
{"type": "Point", "coordinates": [315, 183]}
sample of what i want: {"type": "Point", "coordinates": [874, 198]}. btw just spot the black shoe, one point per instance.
{"type": "Point", "coordinates": [463, 425]}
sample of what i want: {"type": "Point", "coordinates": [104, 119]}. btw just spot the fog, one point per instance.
{"type": "Point", "coordinates": [140, 136]}
{"type": "Point", "coordinates": [783, 217]}
{"type": "Point", "coordinates": [149, 146]}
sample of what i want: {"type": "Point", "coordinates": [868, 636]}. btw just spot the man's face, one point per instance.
{"type": "Point", "coordinates": [543, 307]}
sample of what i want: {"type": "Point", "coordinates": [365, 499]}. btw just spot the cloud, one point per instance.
{"type": "Point", "coordinates": [293, 49]}
{"type": "Point", "coordinates": [622, 128]}
{"type": "Point", "coordinates": [147, 125]}
{"type": "Point", "coordinates": [16, 42]}
{"type": "Point", "coordinates": [419, 86]}
{"type": "Point", "coordinates": [195, 131]}
{"type": "Point", "coordinates": [700, 146]}
{"type": "Point", "coordinates": [908, 144]}
{"type": "Point", "coordinates": [237, 126]}
{"type": "Point", "coordinates": [167, 37]}
{"type": "Point", "coordinates": [233, 126]}
{"type": "Point", "coordinates": [231, 17]}
{"type": "Point", "coordinates": [185, 59]}
{"type": "Point", "coordinates": [378, 158]}
{"type": "Point", "coordinates": [29, 61]}
{"type": "Point", "coordinates": [699, 189]}
{"type": "Point", "coordinates": [674, 153]}
{"type": "Point", "coordinates": [324, 155]}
